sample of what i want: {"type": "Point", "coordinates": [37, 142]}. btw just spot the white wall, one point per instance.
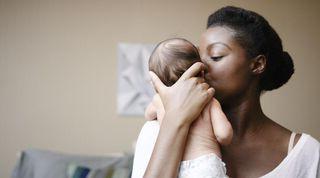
{"type": "Point", "coordinates": [58, 68]}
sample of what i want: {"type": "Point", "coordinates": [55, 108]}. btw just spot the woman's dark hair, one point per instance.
{"type": "Point", "coordinates": [257, 37]}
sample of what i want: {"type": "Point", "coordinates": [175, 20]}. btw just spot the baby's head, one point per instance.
{"type": "Point", "coordinates": [171, 58]}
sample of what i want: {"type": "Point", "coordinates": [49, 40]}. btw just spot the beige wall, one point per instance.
{"type": "Point", "coordinates": [58, 68]}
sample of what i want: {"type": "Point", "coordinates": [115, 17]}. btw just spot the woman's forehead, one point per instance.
{"type": "Point", "coordinates": [222, 35]}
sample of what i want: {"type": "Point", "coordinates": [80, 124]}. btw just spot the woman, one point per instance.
{"type": "Point", "coordinates": [243, 57]}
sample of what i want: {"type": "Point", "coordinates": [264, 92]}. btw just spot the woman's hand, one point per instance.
{"type": "Point", "coordinates": [183, 103]}
{"type": "Point", "coordinates": [187, 97]}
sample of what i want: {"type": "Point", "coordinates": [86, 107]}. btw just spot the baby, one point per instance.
{"type": "Point", "coordinates": [169, 60]}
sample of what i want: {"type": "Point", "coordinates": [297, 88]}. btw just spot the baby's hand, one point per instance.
{"type": "Point", "coordinates": [155, 110]}
{"type": "Point", "coordinates": [150, 112]}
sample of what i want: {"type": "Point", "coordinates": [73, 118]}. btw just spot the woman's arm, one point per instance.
{"type": "Point", "coordinates": [168, 150]}
{"type": "Point", "coordinates": [183, 102]}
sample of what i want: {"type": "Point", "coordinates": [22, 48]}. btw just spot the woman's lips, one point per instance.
{"type": "Point", "coordinates": [207, 78]}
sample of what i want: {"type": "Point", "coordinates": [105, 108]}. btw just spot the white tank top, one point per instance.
{"type": "Point", "coordinates": [302, 161]}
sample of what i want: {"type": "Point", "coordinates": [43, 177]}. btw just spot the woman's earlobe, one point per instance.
{"type": "Point", "coordinates": [259, 64]}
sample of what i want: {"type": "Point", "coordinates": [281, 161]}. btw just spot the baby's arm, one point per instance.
{"type": "Point", "coordinates": [221, 126]}
{"type": "Point", "coordinates": [150, 112]}
{"type": "Point", "coordinates": [155, 110]}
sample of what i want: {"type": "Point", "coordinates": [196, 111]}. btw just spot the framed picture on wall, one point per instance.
{"type": "Point", "coordinates": [134, 88]}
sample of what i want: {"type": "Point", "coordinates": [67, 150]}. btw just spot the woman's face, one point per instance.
{"type": "Point", "coordinates": [228, 68]}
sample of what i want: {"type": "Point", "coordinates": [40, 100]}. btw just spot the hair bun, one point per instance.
{"type": "Point", "coordinates": [286, 55]}
{"type": "Point", "coordinates": [283, 72]}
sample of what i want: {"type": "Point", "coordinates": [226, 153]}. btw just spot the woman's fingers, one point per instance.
{"type": "Point", "coordinates": [187, 96]}
{"type": "Point", "coordinates": [192, 71]}
{"type": "Point", "coordinates": [210, 93]}
{"type": "Point", "coordinates": [204, 86]}
{"type": "Point", "coordinates": [200, 80]}
{"type": "Point", "coordinates": [157, 83]}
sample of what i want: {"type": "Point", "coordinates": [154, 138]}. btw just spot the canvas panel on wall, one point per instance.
{"type": "Point", "coordinates": [134, 88]}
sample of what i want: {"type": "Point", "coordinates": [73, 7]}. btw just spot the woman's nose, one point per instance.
{"type": "Point", "coordinates": [206, 67]}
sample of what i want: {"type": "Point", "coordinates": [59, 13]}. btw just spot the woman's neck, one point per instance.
{"type": "Point", "coordinates": [246, 116]}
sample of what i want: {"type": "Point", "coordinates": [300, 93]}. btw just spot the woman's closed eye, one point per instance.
{"type": "Point", "coordinates": [216, 58]}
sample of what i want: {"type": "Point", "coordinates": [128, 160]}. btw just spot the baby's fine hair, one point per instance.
{"type": "Point", "coordinates": [171, 58]}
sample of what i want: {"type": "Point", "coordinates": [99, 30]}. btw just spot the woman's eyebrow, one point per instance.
{"type": "Point", "coordinates": [219, 43]}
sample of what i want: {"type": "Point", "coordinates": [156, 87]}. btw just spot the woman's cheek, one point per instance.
{"type": "Point", "coordinates": [224, 81]}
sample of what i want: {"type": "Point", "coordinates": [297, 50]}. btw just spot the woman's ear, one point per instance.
{"type": "Point", "coordinates": [258, 64]}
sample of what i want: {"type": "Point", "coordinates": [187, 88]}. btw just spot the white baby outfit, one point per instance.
{"type": "Point", "coordinates": [206, 166]}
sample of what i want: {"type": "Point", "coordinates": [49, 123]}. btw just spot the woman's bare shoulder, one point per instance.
{"type": "Point", "coordinates": [282, 133]}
